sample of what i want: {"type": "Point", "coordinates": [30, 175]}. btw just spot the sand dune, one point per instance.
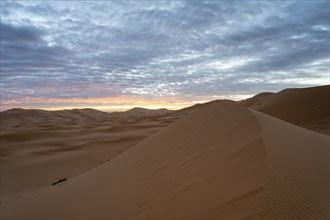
{"type": "Point", "coordinates": [220, 160]}
{"type": "Point", "coordinates": [140, 112]}
{"type": "Point", "coordinates": [159, 177]}
{"type": "Point", "coordinates": [36, 114]}
{"type": "Point", "coordinates": [39, 147]}
{"type": "Point", "coordinates": [297, 182]}
{"type": "Point", "coordinates": [306, 107]}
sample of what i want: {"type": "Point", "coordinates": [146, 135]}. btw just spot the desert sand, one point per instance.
{"type": "Point", "coordinates": [266, 157]}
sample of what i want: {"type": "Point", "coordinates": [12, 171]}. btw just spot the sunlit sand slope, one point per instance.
{"type": "Point", "coordinates": [209, 164]}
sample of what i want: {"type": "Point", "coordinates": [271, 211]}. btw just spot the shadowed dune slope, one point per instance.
{"type": "Point", "coordinates": [297, 181]}
{"type": "Point", "coordinates": [305, 107]}
{"type": "Point", "coordinates": [209, 164]}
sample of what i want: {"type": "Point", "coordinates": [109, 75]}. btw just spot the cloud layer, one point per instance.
{"type": "Point", "coordinates": [189, 49]}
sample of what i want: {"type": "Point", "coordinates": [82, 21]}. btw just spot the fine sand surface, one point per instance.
{"type": "Point", "coordinates": [262, 158]}
{"type": "Point", "coordinates": [39, 147]}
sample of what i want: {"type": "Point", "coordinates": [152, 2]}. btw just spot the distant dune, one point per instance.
{"type": "Point", "coordinates": [36, 114]}
{"type": "Point", "coordinates": [266, 157]}
{"type": "Point", "coordinates": [138, 112]}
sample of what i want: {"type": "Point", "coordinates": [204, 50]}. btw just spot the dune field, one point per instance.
{"type": "Point", "coordinates": [266, 157]}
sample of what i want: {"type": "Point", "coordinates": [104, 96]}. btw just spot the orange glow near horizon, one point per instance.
{"type": "Point", "coordinates": [113, 103]}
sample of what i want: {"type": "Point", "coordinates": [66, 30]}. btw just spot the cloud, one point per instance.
{"type": "Point", "coordinates": [165, 48]}
{"type": "Point", "coordinates": [16, 33]}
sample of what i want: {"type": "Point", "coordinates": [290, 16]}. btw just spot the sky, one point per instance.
{"type": "Point", "coordinates": [115, 55]}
